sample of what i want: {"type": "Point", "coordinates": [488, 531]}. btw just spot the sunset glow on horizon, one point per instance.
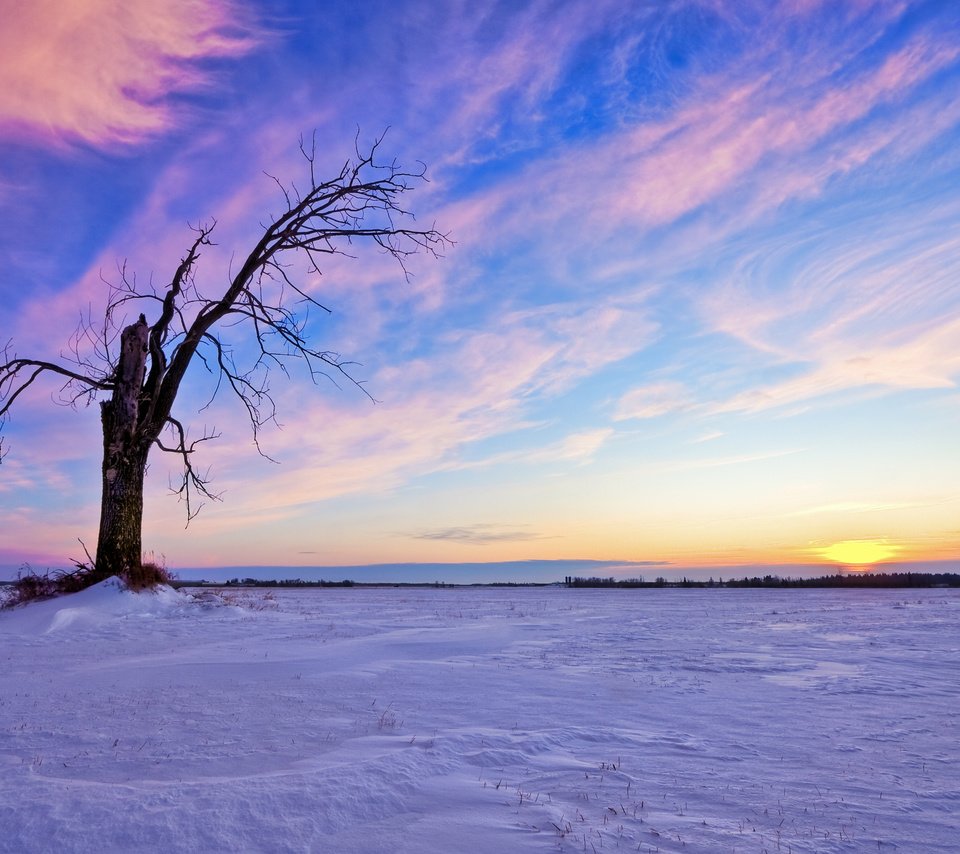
{"type": "Point", "coordinates": [859, 553]}
{"type": "Point", "coordinates": [702, 310]}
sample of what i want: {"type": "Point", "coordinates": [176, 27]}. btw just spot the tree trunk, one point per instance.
{"type": "Point", "coordinates": [119, 544]}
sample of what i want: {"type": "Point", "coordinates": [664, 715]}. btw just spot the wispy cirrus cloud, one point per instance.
{"type": "Point", "coordinates": [733, 460]}
{"type": "Point", "coordinates": [729, 136]}
{"type": "Point", "coordinates": [844, 508]}
{"type": "Point", "coordinates": [578, 448]}
{"type": "Point", "coordinates": [101, 71]}
{"type": "Point", "coordinates": [874, 310]}
{"type": "Point", "coordinates": [480, 534]}
{"type": "Point", "coordinates": [486, 87]}
{"type": "Point", "coordinates": [652, 401]}
{"type": "Point", "coordinates": [928, 361]}
{"type": "Point", "coordinates": [431, 413]}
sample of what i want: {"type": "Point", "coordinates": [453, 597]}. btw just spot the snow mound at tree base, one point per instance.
{"type": "Point", "coordinates": [99, 604]}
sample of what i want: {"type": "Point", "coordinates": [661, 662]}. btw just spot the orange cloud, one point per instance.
{"type": "Point", "coordinates": [98, 71]}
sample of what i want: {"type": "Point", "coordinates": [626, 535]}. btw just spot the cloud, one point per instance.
{"type": "Point", "coordinates": [845, 508]}
{"type": "Point", "coordinates": [840, 359]}
{"type": "Point", "coordinates": [742, 142]}
{"type": "Point", "coordinates": [489, 98]}
{"type": "Point", "coordinates": [422, 426]}
{"type": "Point", "coordinates": [733, 460]}
{"type": "Point", "coordinates": [652, 401]}
{"type": "Point", "coordinates": [580, 447]}
{"type": "Point", "coordinates": [479, 535]}
{"type": "Point", "coordinates": [101, 71]}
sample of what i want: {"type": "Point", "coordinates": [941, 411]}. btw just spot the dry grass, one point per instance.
{"type": "Point", "coordinates": [32, 586]}
{"type": "Point", "coordinates": [147, 576]}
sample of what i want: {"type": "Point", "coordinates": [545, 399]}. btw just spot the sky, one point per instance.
{"type": "Point", "coordinates": [702, 308]}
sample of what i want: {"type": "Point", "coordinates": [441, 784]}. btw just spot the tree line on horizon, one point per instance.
{"type": "Point", "coordinates": [859, 580]}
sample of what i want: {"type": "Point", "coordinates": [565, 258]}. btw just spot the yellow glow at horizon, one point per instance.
{"type": "Point", "coordinates": [859, 552]}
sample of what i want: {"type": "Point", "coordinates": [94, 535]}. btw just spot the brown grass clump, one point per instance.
{"type": "Point", "coordinates": [147, 576]}
{"type": "Point", "coordinates": [31, 587]}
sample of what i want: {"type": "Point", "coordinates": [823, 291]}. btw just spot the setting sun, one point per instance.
{"type": "Point", "coordinates": [859, 552]}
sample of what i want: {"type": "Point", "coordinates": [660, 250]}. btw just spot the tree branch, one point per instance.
{"type": "Point", "coordinates": [191, 481]}
{"type": "Point", "coordinates": [360, 204]}
{"type": "Point", "coordinates": [17, 375]}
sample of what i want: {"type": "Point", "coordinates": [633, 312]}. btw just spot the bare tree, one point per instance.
{"type": "Point", "coordinates": [137, 383]}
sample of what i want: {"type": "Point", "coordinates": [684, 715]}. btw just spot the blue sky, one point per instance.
{"type": "Point", "coordinates": [702, 308]}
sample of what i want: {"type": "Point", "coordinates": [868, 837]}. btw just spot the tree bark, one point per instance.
{"type": "Point", "coordinates": [125, 449]}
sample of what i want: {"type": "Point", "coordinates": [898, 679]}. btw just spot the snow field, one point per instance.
{"type": "Point", "coordinates": [481, 720]}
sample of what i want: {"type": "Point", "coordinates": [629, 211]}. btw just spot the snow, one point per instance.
{"type": "Point", "coordinates": [481, 720]}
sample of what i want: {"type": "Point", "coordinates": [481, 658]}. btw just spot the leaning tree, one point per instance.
{"type": "Point", "coordinates": [136, 369]}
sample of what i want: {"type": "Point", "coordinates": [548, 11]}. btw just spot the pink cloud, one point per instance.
{"type": "Point", "coordinates": [872, 314]}
{"type": "Point", "coordinates": [758, 136]}
{"type": "Point", "coordinates": [716, 143]}
{"type": "Point", "coordinates": [925, 360]}
{"type": "Point", "coordinates": [578, 447]}
{"type": "Point", "coordinates": [479, 80]}
{"type": "Point", "coordinates": [477, 388]}
{"type": "Point", "coordinates": [651, 401]}
{"type": "Point", "coordinates": [99, 70]}
{"type": "Point", "coordinates": [810, 7]}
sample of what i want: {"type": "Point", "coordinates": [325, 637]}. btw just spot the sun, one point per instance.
{"type": "Point", "coordinates": [859, 552]}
